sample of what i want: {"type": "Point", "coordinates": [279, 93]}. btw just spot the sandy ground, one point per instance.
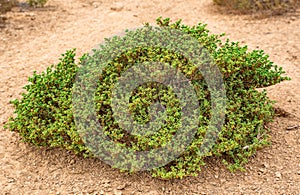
{"type": "Point", "coordinates": [34, 39]}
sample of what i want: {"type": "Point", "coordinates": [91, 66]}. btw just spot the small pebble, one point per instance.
{"type": "Point", "coordinates": [278, 174]}
{"type": "Point", "coordinates": [121, 187]}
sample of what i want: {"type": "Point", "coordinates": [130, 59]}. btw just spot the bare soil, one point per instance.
{"type": "Point", "coordinates": [32, 39]}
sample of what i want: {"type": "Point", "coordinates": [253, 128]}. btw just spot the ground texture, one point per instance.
{"type": "Point", "coordinates": [33, 39]}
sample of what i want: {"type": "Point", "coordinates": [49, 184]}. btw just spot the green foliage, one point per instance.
{"type": "Point", "coordinates": [44, 115]}
{"type": "Point", "coordinates": [37, 3]}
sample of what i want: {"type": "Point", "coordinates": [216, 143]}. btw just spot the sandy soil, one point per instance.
{"type": "Point", "coordinates": [34, 39]}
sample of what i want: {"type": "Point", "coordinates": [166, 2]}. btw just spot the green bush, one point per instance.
{"type": "Point", "coordinates": [45, 117]}
{"type": "Point", "coordinates": [37, 3]}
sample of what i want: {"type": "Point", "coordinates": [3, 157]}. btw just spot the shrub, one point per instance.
{"type": "Point", "coordinates": [6, 5]}
{"type": "Point", "coordinates": [37, 3]}
{"type": "Point", "coordinates": [246, 6]}
{"type": "Point", "coordinates": [45, 117]}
